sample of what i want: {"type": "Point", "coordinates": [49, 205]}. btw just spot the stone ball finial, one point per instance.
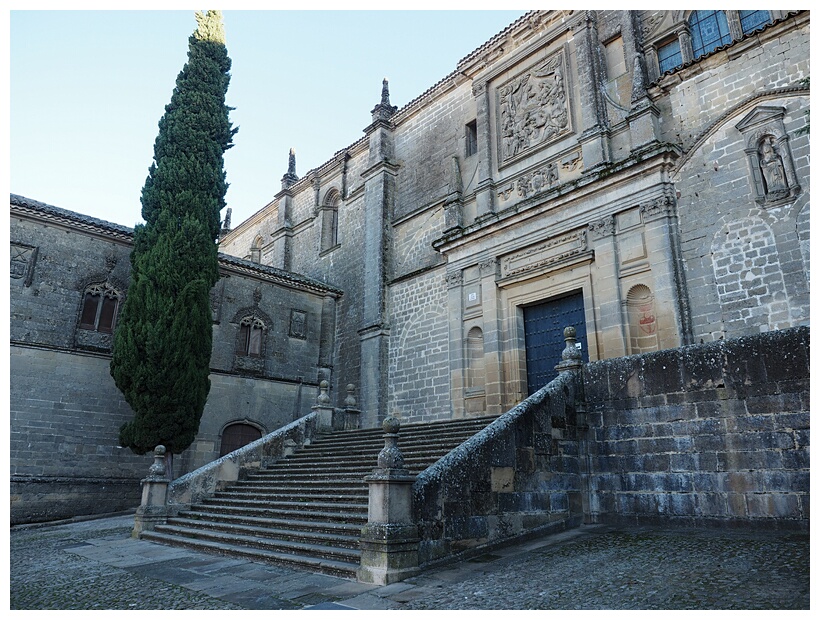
{"type": "Point", "coordinates": [350, 400]}
{"type": "Point", "coordinates": [323, 398]}
{"type": "Point", "coordinates": [569, 332]}
{"type": "Point", "coordinates": [571, 352]}
{"type": "Point", "coordinates": [391, 425]}
{"type": "Point", "coordinates": [158, 466]}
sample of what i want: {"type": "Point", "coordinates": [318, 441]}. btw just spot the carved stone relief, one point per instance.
{"type": "Point", "coordinates": [538, 181]}
{"type": "Point", "coordinates": [545, 254]}
{"type": "Point", "coordinates": [532, 108]}
{"type": "Point", "coordinates": [298, 324]}
{"type": "Point", "coordinates": [605, 227]}
{"type": "Point", "coordinates": [23, 258]}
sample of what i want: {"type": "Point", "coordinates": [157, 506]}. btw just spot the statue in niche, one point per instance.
{"type": "Point", "coordinates": [771, 166]}
{"type": "Point", "coordinates": [533, 108]}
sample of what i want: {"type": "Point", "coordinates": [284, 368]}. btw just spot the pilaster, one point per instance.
{"type": "Point", "coordinates": [485, 187]}
{"type": "Point", "coordinates": [490, 303]}
{"type": "Point", "coordinates": [594, 138]}
{"type": "Point", "coordinates": [609, 317]}
{"type": "Point", "coordinates": [379, 195]}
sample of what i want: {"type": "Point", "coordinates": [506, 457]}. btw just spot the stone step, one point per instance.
{"type": "Point", "coordinates": [344, 539]}
{"type": "Point", "coordinates": [302, 513]}
{"type": "Point", "coordinates": [294, 497]}
{"type": "Point", "coordinates": [313, 506]}
{"type": "Point", "coordinates": [342, 528]}
{"type": "Point", "coordinates": [258, 541]}
{"type": "Point", "coordinates": [307, 510]}
{"type": "Point", "coordinates": [302, 562]}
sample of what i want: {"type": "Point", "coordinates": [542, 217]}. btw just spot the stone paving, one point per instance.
{"type": "Point", "coordinates": [96, 565]}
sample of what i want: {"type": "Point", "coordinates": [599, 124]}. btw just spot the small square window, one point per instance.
{"type": "Point", "coordinates": [669, 56]}
{"type": "Point", "coordinates": [471, 135]}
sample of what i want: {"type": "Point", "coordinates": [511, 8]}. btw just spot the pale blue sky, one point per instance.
{"type": "Point", "coordinates": [88, 88]}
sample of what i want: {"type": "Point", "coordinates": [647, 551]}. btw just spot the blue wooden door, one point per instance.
{"type": "Point", "coordinates": [544, 325]}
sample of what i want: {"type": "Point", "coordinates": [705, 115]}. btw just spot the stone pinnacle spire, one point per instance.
{"type": "Point", "coordinates": [290, 176]}
{"type": "Point", "coordinates": [384, 110]}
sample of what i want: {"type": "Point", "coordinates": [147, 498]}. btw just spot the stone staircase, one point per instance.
{"type": "Point", "coordinates": [307, 510]}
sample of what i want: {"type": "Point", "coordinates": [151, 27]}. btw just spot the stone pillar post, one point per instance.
{"type": "Point", "coordinates": [662, 241]}
{"type": "Point", "coordinates": [153, 508]}
{"type": "Point", "coordinates": [455, 312]}
{"type": "Point", "coordinates": [326, 411]}
{"type": "Point", "coordinates": [390, 540]}
{"type": "Point", "coordinates": [352, 414]}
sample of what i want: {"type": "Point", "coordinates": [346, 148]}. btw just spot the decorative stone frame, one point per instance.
{"type": "Point", "coordinates": [248, 364]}
{"type": "Point", "coordinates": [546, 81]}
{"type": "Point", "coordinates": [89, 339]}
{"type": "Point", "coordinates": [774, 183]}
{"type": "Point", "coordinates": [329, 213]}
{"type": "Point", "coordinates": [23, 259]}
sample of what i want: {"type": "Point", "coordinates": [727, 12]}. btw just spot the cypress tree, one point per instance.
{"type": "Point", "coordinates": [162, 344]}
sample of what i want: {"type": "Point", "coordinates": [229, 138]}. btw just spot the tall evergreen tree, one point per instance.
{"type": "Point", "coordinates": [162, 343]}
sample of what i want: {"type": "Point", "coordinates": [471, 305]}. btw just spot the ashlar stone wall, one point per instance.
{"type": "Point", "coordinates": [712, 434]}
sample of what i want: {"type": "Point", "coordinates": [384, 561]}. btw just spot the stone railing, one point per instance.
{"type": "Point", "coordinates": [519, 476]}
{"type": "Point", "coordinates": [217, 474]}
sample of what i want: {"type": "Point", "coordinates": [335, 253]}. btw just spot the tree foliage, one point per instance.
{"type": "Point", "coordinates": [162, 343]}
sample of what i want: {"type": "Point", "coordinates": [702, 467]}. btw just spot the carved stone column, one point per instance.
{"type": "Point", "coordinates": [153, 509]}
{"type": "Point", "coordinates": [390, 540]}
{"type": "Point", "coordinates": [663, 242]}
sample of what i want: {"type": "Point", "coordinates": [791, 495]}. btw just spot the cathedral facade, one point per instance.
{"type": "Point", "coordinates": [642, 175]}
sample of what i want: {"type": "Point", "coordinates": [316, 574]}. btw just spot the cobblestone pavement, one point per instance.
{"type": "Point", "coordinates": [96, 565]}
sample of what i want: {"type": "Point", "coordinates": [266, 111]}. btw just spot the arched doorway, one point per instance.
{"type": "Point", "coordinates": [236, 435]}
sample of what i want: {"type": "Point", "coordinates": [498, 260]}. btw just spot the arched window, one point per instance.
{"type": "Point", "coordinates": [236, 435]}
{"type": "Point", "coordinates": [709, 29]}
{"type": "Point", "coordinates": [251, 337]}
{"type": "Point", "coordinates": [330, 221]}
{"type": "Point", "coordinates": [99, 309]}
{"type": "Point", "coordinates": [256, 249]}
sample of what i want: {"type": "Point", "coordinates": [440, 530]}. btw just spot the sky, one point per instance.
{"type": "Point", "coordinates": [88, 87]}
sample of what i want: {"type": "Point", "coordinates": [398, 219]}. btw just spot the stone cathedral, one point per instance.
{"type": "Point", "coordinates": [642, 176]}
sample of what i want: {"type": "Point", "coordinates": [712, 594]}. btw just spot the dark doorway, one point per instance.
{"type": "Point", "coordinates": [237, 435]}
{"type": "Point", "coordinates": [544, 325]}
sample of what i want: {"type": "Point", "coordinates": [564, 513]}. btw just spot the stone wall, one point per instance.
{"type": "Point", "coordinates": [417, 371]}
{"type": "Point", "coordinates": [745, 271]}
{"type": "Point", "coordinates": [711, 434]}
{"type": "Point", "coordinates": [520, 475]}
{"type": "Point", "coordinates": [65, 410]}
